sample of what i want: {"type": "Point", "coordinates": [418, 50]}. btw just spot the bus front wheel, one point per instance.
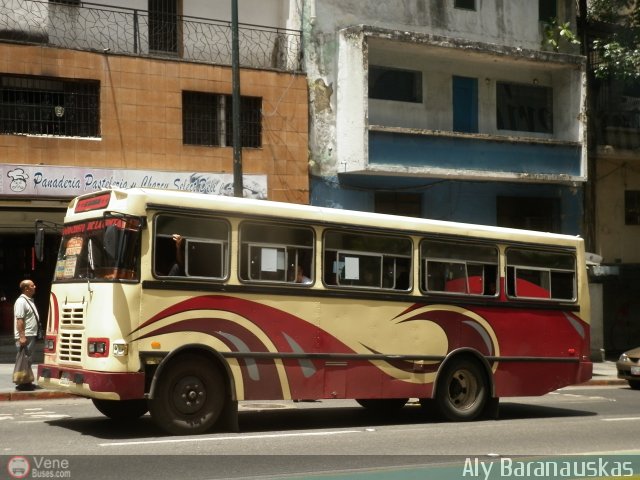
{"type": "Point", "coordinates": [189, 396]}
{"type": "Point", "coordinates": [121, 410]}
{"type": "Point", "coordinates": [462, 390]}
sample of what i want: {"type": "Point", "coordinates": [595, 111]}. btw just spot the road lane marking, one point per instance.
{"type": "Point", "coordinates": [239, 437]}
{"type": "Point", "coordinates": [620, 419]}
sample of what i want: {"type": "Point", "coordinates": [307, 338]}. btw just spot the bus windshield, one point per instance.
{"type": "Point", "coordinates": [103, 249]}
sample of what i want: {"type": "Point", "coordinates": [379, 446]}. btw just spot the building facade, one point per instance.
{"type": "Point", "coordinates": [449, 110]}
{"type": "Point", "coordinates": [138, 93]}
{"type": "Point", "coordinates": [614, 105]}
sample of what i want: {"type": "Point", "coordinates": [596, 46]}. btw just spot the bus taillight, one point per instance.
{"type": "Point", "coordinates": [98, 347]}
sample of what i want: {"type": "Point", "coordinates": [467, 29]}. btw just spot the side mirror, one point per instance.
{"type": "Point", "coordinates": [38, 244]}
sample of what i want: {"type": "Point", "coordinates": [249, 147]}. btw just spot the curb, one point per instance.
{"type": "Point", "coordinates": [37, 395]}
{"type": "Point", "coordinates": [603, 382]}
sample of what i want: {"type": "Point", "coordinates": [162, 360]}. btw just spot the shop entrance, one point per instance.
{"type": "Point", "coordinates": [18, 262]}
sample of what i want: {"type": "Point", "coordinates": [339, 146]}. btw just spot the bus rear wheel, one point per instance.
{"type": "Point", "coordinates": [462, 390]}
{"type": "Point", "coordinates": [189, 396]}
{"type": "Point", "coordinates": [121, 410]}
{"type": "Point", "coordinates": [382, 404]}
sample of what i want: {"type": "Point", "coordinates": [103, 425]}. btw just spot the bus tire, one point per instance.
{"type": "Point", "coordinates": [189, 396]}
{"type": "Point", "coordinates": [462, 390]}
{"type": "Point", "coordinates": [121, 410]}
{"type": "Point", "coordinates": [382, 404]}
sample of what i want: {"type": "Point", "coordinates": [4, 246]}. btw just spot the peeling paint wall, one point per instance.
{"type": "Point", "coordinates": [510, 22]}
{"type": "Point", "coordinates": [509, 29]}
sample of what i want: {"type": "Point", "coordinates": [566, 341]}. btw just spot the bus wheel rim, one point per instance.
{"type": "Point", "coordinates": [463, 389]}
{"type": "Point", "coordinates": [189, 395]}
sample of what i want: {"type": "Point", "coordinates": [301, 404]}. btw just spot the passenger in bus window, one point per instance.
{"type": "Point", "coordinates": [402, 280]}
{"type": "Point", "coordinates": [178, 267]}
{"type": "Point", "coordinates": [301, 277]}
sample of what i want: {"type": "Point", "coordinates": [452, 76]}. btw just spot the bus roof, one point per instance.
{"type": "Point", "coordinates": [138, 200]}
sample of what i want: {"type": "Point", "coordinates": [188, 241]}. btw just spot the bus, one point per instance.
{"type": "Point", "coordinates": [184, 304]}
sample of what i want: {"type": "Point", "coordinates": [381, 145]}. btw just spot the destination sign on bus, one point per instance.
{"type": "Point", "coordinates": [93, 203]}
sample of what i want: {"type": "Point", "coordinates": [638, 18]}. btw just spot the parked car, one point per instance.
{"type": "Point", "coordinates": [628, 366]}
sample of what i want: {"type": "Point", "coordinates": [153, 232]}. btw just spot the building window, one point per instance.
{"type": "Point", "coordinates": [524, 108]}
{"type": "Point", "coordinates": [465, 4]}
{"type": "Point", "coordinates": [47, 106]}
{"type": "Point", "coordinates": [392, 203]}
{"type": "Point", "coordinates": [395, 84]}
{"type": "Point", "coordinates": [547, 10]}
{"type": "Point", "coordinates": [529, 213]}
{"type": "Point", "coordinates": [163, 26]}
{"type": "Point", "coordinates": [465, 104]}
{"type": "Point", "coordinates": [632, 207]}
{"type": "Point", "coordinates": [207, 120]}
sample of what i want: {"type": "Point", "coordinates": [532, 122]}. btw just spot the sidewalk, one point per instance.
{"type": "Point", "coordinates": [604, 373]}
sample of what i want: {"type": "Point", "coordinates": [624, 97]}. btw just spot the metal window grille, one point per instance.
{"type": "Point", "coordinates": [163, 26]}
{"type": "Point", "coordinates": [46, 106]}
{"type": "Point", "coordinates": [207, 120]}
{"type": "Point", "coordinates": [200, 125]}
{"type": "Point", "coordinates": [632, 207]}
{"type": "Point", "coordinates": [250, 121]}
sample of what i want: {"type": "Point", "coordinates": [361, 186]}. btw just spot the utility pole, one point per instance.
{"type": "Point", "coordinates": [235, 102]}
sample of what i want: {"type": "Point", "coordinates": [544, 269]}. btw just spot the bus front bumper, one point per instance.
{"type": "Point", "coordinates": [92, 384]}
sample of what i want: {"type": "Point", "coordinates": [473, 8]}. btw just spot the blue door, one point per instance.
{"type": "Point", "coordinates": [465, 104]}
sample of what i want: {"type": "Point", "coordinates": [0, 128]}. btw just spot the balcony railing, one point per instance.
{"type": "Point", "coordinates": [95, 27]}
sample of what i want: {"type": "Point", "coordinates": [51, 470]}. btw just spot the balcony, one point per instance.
{"type": "Point", "coordinates": [473, 156]}
{"type": "Point", "coordinates": [101, 28]}
{"type": "Point", "coordinates": [619, 129]}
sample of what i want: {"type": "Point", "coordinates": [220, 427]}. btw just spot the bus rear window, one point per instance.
{"type": "Point", "coordinates": [541, 275]}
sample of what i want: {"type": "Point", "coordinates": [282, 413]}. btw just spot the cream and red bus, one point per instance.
{"type": "Point", "coordinates": [183, 304]}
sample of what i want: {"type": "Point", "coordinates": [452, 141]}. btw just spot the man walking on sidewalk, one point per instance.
{"type": "Point", "coordinates": [25, 324]}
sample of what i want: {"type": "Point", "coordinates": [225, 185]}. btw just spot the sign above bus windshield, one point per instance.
{"type": "Point", "coordinates": [96, 202]}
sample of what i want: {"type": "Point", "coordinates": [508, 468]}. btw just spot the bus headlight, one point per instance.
{"type": "Point", "coordinates": [120, 349]}
{"type": "Point", "coordinates": [50, 344]}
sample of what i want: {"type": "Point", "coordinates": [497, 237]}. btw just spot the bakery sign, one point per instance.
{"type": "Point", "coordinates": [51, 181]}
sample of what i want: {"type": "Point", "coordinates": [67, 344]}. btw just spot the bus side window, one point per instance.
{"type": "Point", "coordinates": [193, 246]}
{"type": "Point", "coordinates": [204, 259]}
{"type": "Point", "coordinates": [538, 274]}
{"type": "Point", "coordinates": [460, 268]}
{"type": "Point", "coordinates": [366, 260]}
{"type": "Point", "coordinates": [275, 253]}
